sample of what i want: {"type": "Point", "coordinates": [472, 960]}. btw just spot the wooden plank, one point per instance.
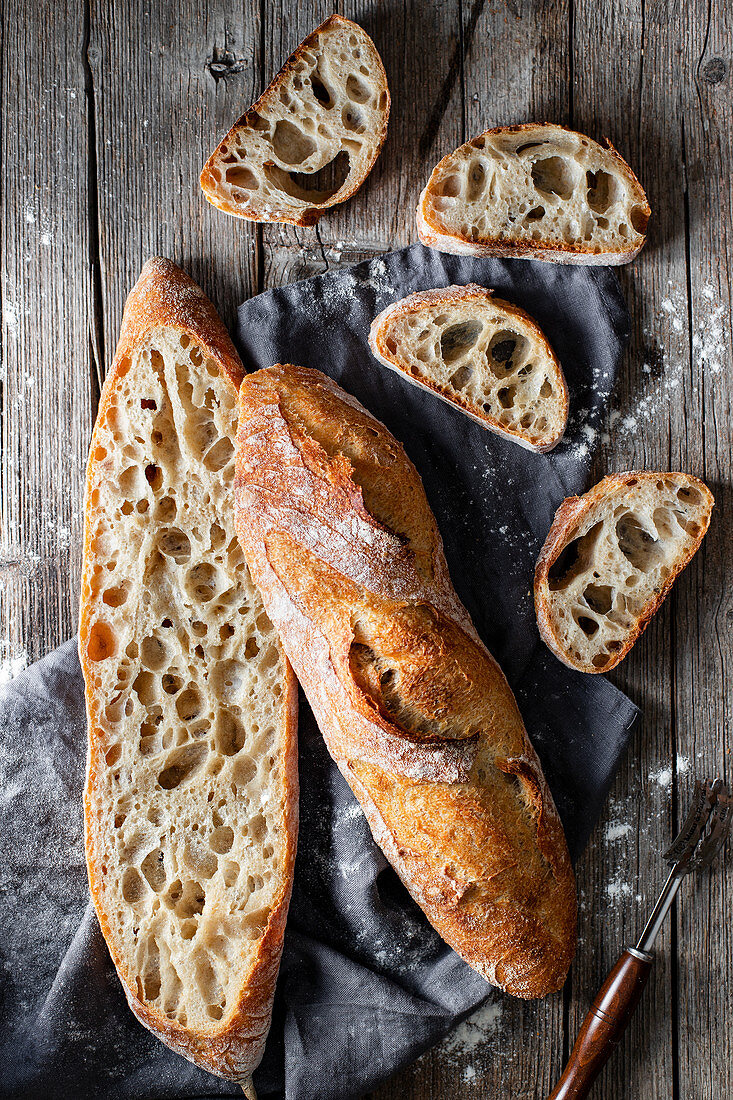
{"type": "Point", "coordinates": [510, 63]}
{"type": "Point", "coordinates": [704, 597]}
{"type": "Point", "coordinates": [617, 94]}
{"type": "Point", "coordinates": [169, 80]}
{"type": "Point", "coordinates": [46, 388]}
{"type": "Point", "coordinates": [625, 90]}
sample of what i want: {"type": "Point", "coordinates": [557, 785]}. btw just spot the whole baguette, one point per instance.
{"type": "Point", "coordinates": [339, 537]}
{"type": "Point", "coordinates": [192, 706]}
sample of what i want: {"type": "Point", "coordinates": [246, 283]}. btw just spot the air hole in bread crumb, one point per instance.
{"type": "Point", "coordinates": [222, 839]}
{"type": "Point", "coordinates": [171, 683]}
{"type": "Point", "coordinates": [175, 544]}
{"type": "Point", "coordinates": [636, 543]}
{"type": "Point", "coordinates": [153, 476]}
{"type": "Point", "coordinates": [587, 625]}
{"type": "Point", "coordinates": [458, 340]}
{"type": "Point", "coordinates": [115, 597]}
{"type": "Point", "coordinates": [154, 870]}
{"type": "Point", "coordinates": [133, 887]}
{"type": "Point", "coordinates": [243, 772]}
{"type": "Point", "coordinates": [574, 559]}
{"type": "Point", "coordinates": [189, 703]}
{"type": "Point", "coordinates": [217, 457]}
{"type": "Point", "coordinates": [148, 403]}
{"type": "Point", "coordinates": [182, 765]}
{"type": "Point", "coordinates": [230, 733]}
{"type": "Point", "coordinates": [102, 643]}
{"type": "Point", "coordinates": [554, 176]}
{"type": "Point", "coordinates": [113, 754]}
{"type": "Point", "coordinates": [639, 219]}
{"type": "Point", "coordinates": [599, 597]}
{"type": "Point", "coordinates": [153, 653]}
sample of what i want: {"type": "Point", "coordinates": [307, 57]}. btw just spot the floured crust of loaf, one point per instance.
{"type": "Point", "coordinates": [191, 793]}
{"type": "Point", "coordinates": [338, 534]}
{"type": "Point", "coordinates": [535, 191]}
{"type": "Point", "coordinates": [609, 560]}
{"type": "Point", "coordinates": [328, 106]}
{"type": "Point", "coordinates": [485, 356]}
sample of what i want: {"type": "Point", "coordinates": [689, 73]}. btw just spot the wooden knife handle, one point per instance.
{"type": "Point", "coordinates": [604, 1025]}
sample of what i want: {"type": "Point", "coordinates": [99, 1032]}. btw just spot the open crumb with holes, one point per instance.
{"type": "Point", "coordinates": [486, 356]}
{"type": "Point", "coordinates": [191, 797]}
{"type": "Point", "coordinates": [535, 191]}
{"type": "Point", "coordinates": [609, 560]}
{"type": "Point", "coordinates": [312, 137]}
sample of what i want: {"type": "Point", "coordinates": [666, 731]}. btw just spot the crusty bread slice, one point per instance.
{"type": "Point", "coordinates": [312, 137]}
{"type": "Point", "coordinates": [609, 560]}
{"type": "Point", "coordinates": [191, 794]}
{"type": "Point", "coordinates": [486, 356]}
{"type": "Point", "coordinates": [535, 191]}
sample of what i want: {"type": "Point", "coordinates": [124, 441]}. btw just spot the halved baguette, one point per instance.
{"type": "Point", "coordinates": [340, 539]}
{"type": "Point", "coordinates": [312, 137]}
{"type": "Point", "coordinates": [609, 560]}
{"type": "Point", "coordinates": [191, 793]}
{"type": "Point", "coordinates": [535, 191]}
{"type": "Point", "coordinates": [483, 355]}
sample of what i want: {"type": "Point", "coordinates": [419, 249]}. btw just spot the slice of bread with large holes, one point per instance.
{"type": "Point", "coordinates": [191, 794]}
{"type": "Point", "coordinates": [609, 560]}
{"type": "Point", "coordinates": [535, 191]}
{"type": "Point", "coordinates": [312, 137]}
{"type": "Point", "coordinates": [485, 356]}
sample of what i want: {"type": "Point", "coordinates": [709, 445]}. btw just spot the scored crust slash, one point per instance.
{"type": "Point", "coordinates": [339, 537]}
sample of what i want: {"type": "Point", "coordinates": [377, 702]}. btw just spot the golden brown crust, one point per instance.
{"type": "Point", "coordinates": [568, 518]}
{"type": "Point", "coordinates": [311, 216]}
{"type": "Point", "coordinates": [165, 297]}
{"type": "Point", "coordinates": [454, 295]}
{"type": "Point", "coordinates": [336, 529]}
{"type": "Point", "coordinates": [431, 234]}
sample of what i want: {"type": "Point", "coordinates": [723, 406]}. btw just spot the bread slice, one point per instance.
{"type": "Point", "coordinates": [485, 356]}
{"type": "Point", "coordinates": [312, 137]}
{"type": "Point", "coordinates": [535, 191]}
{"type": "Point", "coordinates": [191, 792]}
{"type": "Point", "coordinates": [609, 560]}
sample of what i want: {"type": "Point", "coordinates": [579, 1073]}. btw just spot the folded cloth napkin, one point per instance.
{"type": "Point", "coordinates": [366, 984]}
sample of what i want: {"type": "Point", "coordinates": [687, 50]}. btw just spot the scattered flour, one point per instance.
{"type": "Point", "coordinates": [710, 356]}
{"type": "Point", "coordinates": [617, 890]}
{"type": "Point", "coordinates": [662, 776]}
{"type": "Point", "coordinates": [683, 764]}
{"type": "Point", "coordinates": [473, 1035]}
{"type": "Point", "coordinates": [12, 661]}
{"type": "Point", "coordinates": [616, 830]}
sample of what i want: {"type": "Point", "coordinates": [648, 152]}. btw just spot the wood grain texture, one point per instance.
{"type": "Point", "coordinates": [47, 379]}
{"type": "Point", "coordinates": [105, 126]}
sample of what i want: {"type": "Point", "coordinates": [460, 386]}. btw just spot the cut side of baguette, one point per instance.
{"type": "Point", "coordinates": [535, 191]}
{"type": "Point", "coordinates": [191, 793]}
{"type": "Point", "coordinates": [485, 356]}
{"type": "Point", "coordinates": [312, 137]}
{"type": "Point", "coordinates": [609, 560]}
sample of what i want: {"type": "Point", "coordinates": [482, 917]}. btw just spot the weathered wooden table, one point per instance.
{"type": "Point", "coordinates": [108, 113]}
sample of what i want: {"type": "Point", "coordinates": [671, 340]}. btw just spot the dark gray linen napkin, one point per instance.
{"type": "Point", "coordinates": [366, 985]}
